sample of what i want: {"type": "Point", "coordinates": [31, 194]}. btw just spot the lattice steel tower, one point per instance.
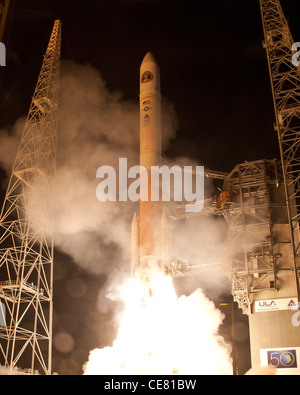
{"type": "Point", "coordinates": [261, 205]}
{"type": "Point", "coordinates": [285, 83]}
{"type": "Point", "coordinates": [26, 246]}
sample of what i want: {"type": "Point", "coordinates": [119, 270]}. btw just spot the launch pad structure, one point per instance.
{"type": "Point", "coordinates": [262, 212]}
{"type": "Point", "coordinates": [259, 201]}
{"type": "Point", "coordinates": [26, 245]}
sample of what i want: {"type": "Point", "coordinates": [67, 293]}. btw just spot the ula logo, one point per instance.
{"type": "Point", "coordinates": [152, 185]}
{"type": "Point", "coordinates": [267, 304]}
{"type": "Point", "coordinates": [2, 54]}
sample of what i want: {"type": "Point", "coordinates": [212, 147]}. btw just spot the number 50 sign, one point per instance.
{"type": "Point", "coordinates": [281, 358]}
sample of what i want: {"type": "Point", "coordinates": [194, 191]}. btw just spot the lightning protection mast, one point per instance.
{"type": "Point", "coordinates": [285, 83]}
{"type": "Point", "coordinates": [26, 245]}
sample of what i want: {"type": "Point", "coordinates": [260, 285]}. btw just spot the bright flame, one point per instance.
{"type": "Point", "coordinates": [163, 334]}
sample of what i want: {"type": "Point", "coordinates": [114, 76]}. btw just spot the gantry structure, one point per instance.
{"type": "Point", "coordinates": [265, 195]}
{"type": "Point", "coordinates": [26, 243]}
{"type": "Point", "coordinates": [285, 84]}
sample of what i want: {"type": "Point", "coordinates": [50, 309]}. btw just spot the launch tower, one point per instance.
{"type": "Point", "coordinates": [261, 202]}
{"type": "Point", "coordinates": [26, 247]}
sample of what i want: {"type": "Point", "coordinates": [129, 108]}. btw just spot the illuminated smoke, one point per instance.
{"type": "Point", "coordinates": [97, 127]}
{"type": "Point", "coordinates": [160, 333]}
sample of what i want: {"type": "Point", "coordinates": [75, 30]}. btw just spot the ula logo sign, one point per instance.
{"type": "Point", "coordinates": [153, 185]}
{"type": "Point", "coordinates": [267, 304]}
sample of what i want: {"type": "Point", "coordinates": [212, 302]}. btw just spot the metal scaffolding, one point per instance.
{"type": "Point", "coordinates": [26, 245]}
{"type": "Point", "coordinates": [256, 205]}
{"type": "Point", "coordinates": [285, 83]}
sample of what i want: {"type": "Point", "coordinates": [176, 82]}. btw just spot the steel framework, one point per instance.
{"type": "Point", "coordinates": [285, 83]}
{"type": "Point", "coordinates": [255, 208]}
{"type": "Point", "coordinates": [26, 246]}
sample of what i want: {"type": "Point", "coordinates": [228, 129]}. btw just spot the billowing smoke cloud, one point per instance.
{"type": "Point", "coordinates": [97, 127]}
{"type": "Point", "coordinates": [5, 371]}
{"type": "Point", "coordinates": [9, 142]}
{"type": "Point", "coordinates": [202, 243]}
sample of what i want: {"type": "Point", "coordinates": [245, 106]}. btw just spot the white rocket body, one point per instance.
{"type": "Point", "coordinates": [150, 113]}
{"type": "Point", "coordinates": [149, 224]}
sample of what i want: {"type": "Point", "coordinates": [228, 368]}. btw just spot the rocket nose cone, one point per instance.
{"type": "Point", "coordinates": [149, 58]}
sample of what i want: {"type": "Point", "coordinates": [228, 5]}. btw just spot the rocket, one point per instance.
{"type": "Point", "coordinates": [150, 153]}
{"type": "Point", "coordinates": [146, 242]}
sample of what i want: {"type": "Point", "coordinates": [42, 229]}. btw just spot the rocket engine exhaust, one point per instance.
{"type": "Point", "coordinates": [159, 333]}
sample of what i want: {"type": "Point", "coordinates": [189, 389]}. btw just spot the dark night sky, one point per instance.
{"type": "Point", "coordinates": [213, 69]}
{"type": "Point", "coordinates": [213, 66]}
